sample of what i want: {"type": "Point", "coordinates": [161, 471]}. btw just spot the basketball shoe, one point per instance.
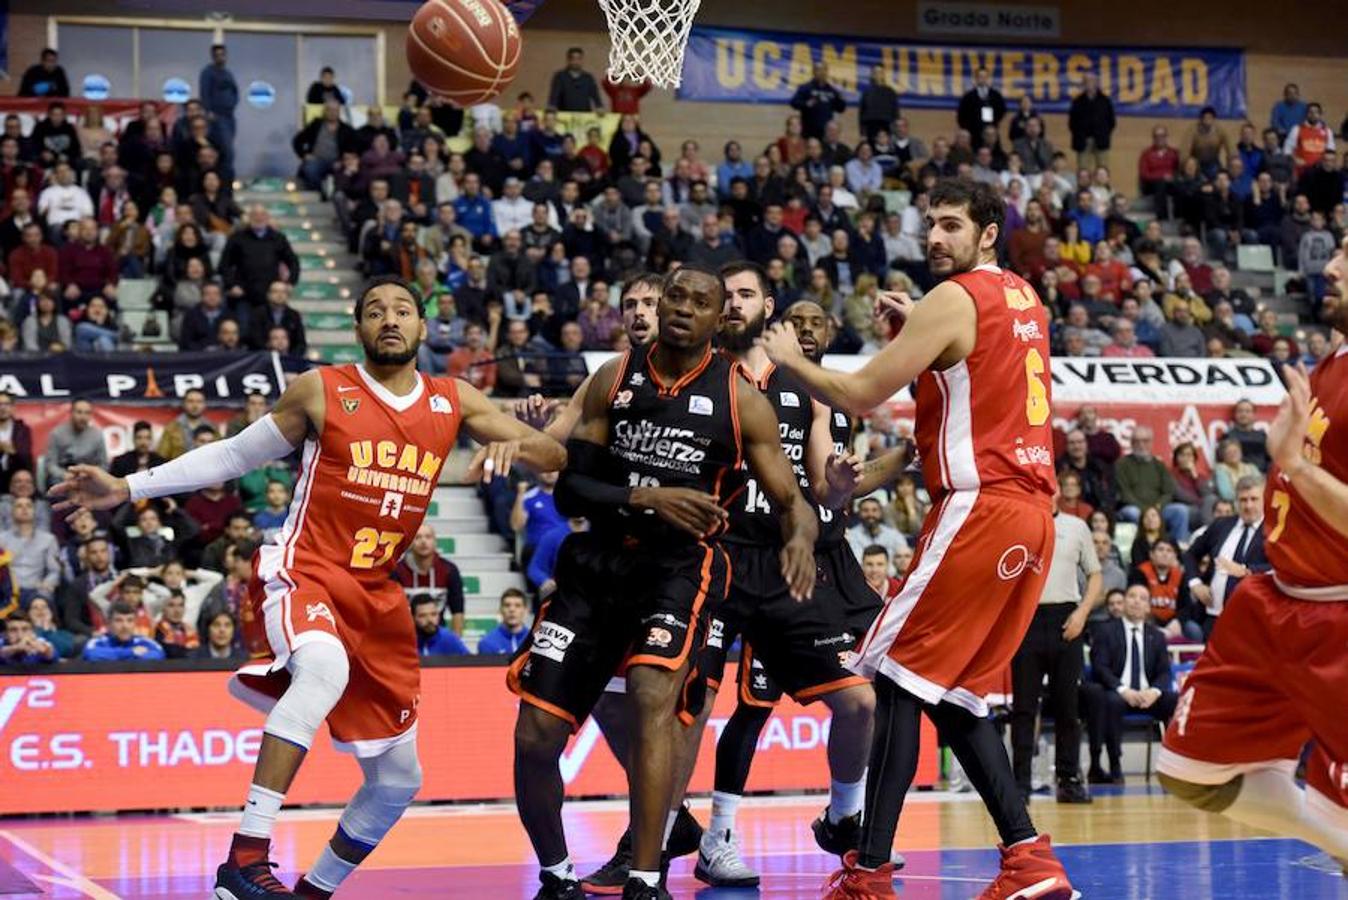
{"type": "Point", "coordinates": [554, 888]}
{"type": "Point", "coordinates": [1030, 871]}
{"type": "Point", "coordinates": [852, 882]}
{"type": "Point", "coordinates": [837, 837]}
{"type": "Point", "coordinates": [719, 863]}
{"type": "Point", "coordinates": [612, 875]}
{"type": "Point", "coordinates": [251, 881]}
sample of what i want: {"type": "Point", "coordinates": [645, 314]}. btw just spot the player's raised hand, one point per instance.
{"type": "Point", "coordinates": [492, 461]}
{"type": "Point", "coordinates": [843, 473]}
{"type": "Point", "coordinates": [1287, 433]}
{"type": "Point", "coordinates": [692, 511]}
{"type": "Point", "coordinates": [798, 568]}
{"type": "Point", "coordinates": [535, 411]}
{"type": "Point", "coordinates": [88, 487]}
{"type": "Point", "coordinates": [781, 344]}
{"type": "Point", "coordinates": [895, 304]}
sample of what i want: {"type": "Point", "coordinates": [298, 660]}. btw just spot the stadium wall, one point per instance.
{"type": "Point", "coordinates": [1278, 48]}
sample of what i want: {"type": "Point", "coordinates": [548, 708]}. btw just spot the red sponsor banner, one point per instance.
{"type": "Point", "coordinates": [159, 740]}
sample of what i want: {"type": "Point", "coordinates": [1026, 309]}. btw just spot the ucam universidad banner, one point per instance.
{"type": "Point", "coordinates": [752, 66]}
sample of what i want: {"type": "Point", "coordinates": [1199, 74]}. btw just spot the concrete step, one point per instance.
{"type": "Point", "coordinates": [455, 526]}
{"type": "Point", "coordinates": [326, 320]}
{"type": "Point", "coordinates": [277, 193]}
{"type": "Point", "coordinates": [454, 492]}
{"type": "Point", "coordinates": [464, 508]}
{"type": "Point", "coordinates": [486, 562]}
{"type": "Point", "coordinates": [330, 337]}
{"type": "Point", "coordinates": [339, 353]}
{"type": "Point", "coordinates": [481, 615]}
{"type": "Point", "coordinates": [315, 261]}
{"type": "Point", "coordinates": [471, 544]}
{"type": "Point", "coordinates": [320, 246]}
{"type": "Point", "coordinates": [322, 308]}
{"type": "Point", "coordinates": [319, 219]}
{"type": "Point", "coordinates": [323, 290]}
{"type": "Point", "coordinates": [492, 583]}
{"type": "Point", "coordinates": [322, 275]}
{"type": "Point", "coordinates": [297, 235]}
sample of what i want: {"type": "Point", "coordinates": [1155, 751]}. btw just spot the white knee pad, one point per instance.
{"type": "Point", "coordinates": [318, 674]}
{"type": "Point", "coordinates": [392, 779]}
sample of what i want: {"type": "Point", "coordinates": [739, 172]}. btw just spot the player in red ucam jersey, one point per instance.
{"type": "Point", "coordinates": [374, 437]}
{"type": "Point", "coordinates": [977, 345]}
{"type": "Point", "coordinates": [1275, 672]}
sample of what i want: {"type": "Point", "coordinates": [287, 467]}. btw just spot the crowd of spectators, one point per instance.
{"type": "Point", "coordinates": [534, 225]}
{"type": "Point", "coordinates": [84, 207]}
{"type": "Point", "coordinates": [518, 244]}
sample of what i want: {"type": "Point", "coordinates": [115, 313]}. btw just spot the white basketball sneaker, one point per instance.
{"type": "Point", "coordinates": [719, 863]}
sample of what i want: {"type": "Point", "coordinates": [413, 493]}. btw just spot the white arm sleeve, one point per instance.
{"type": "Point", "coordinates": [218, 461]}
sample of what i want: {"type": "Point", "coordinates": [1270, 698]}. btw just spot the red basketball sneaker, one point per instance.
{"type": "Point", "coordinates": [852, 882]}
{"type": "Point", "coordinates": [1030, 871]}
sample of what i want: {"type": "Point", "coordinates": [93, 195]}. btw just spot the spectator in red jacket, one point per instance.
{"type": "Point", "coordinates": [624, 96]}
{"type": "Point", "coordinates": [1115, 278]}
{"type": "Point", "coordinates": [1156, 168]}
{"type": "Point", "coordinates": [424, 571]}
{"type": "Point", "coordinates": [32, 254]}
{"type": "Point", "coordinates": [88, 268]}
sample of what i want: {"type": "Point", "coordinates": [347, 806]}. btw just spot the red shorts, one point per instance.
{"type": "Point", "coordinates": [966, 600]}
{"type": "Point", "coordinates": [372, 622]}
{"type": "Point", "coordinates": [1273, 677]}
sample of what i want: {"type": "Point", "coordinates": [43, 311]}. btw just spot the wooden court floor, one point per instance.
{"type": "Point", "coordinates": [1133, 843]}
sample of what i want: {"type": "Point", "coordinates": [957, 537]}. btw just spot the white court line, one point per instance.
{"type": "Point", "coordinates": [69, 877]}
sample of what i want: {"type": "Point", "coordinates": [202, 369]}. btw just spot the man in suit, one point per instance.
{"type": "Point", "coordinates": [1226, 551]}
{"type": "Point", "coordinates": [1130, 673]}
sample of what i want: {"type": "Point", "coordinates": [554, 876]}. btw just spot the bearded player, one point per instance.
{"type": "Point", "coordinates": [375, 436]}
{"type": "Point", "coordinates": [1274, 674]}
{"type": "Point", "coordinates": [720, 863]}
{"type": "Point", "coordinates": [798, 646]}
{"type": "Point", "coordinates": [977, 346]}
{"type": "Point", "coordinates": [639, 299]}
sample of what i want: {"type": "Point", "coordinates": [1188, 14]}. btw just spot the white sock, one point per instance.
{"type": "Point", "coordinates": [723, 809]}
{"type": "Point", "coordinates": [1270, 800]}
{"type": "Point", "coordinates": [1028, 840]}
{"type": "Point", "coordinates": [651, 878]}
{"type": "Point", "coordinates": [259, 813]}
{"type": "Point", "coordinates": [845, 799]}
{"type": "Point", "coordinates": [669, 825]}
{"type": "Point", "coordinates": [563, 870]}
{"type": "Point", "coordinates": [330, 870]}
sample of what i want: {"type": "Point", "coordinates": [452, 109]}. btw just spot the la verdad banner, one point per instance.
{"type": "Point", "coordinates": [757, 66]}
{"type": "Point", "coordinates": [170, 740]}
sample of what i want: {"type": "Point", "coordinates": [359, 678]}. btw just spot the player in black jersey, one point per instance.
{"type": "Point", "coordinates": [661, 434]}
{"type": "Point", "coordinates": [638, 300]}
{"type": "Point", "coordinates": [800, 647]}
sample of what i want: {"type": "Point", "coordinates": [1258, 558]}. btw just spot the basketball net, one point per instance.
{"type": "Point", "coordinates": [648, 39]}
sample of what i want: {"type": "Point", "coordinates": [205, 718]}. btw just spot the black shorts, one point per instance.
{"type": "Point", "coordinates": [837, 566]}
{"type": "Point", "coordinates": [797, 647]}
{"type": "Point", "coordinates": [618, 606]}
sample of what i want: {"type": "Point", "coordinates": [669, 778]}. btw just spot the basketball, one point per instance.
{"type": "Point", "coordinates": [466, 51]}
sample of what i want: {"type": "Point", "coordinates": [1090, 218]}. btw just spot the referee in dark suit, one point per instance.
{"type": "Point", "coordinates": [1052, 646]}
{"type": "Point", "coordinates": [1226, 551]}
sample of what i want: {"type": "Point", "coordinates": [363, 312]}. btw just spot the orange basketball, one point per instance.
{"type": "Point", "coordinates": [466, 51]}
